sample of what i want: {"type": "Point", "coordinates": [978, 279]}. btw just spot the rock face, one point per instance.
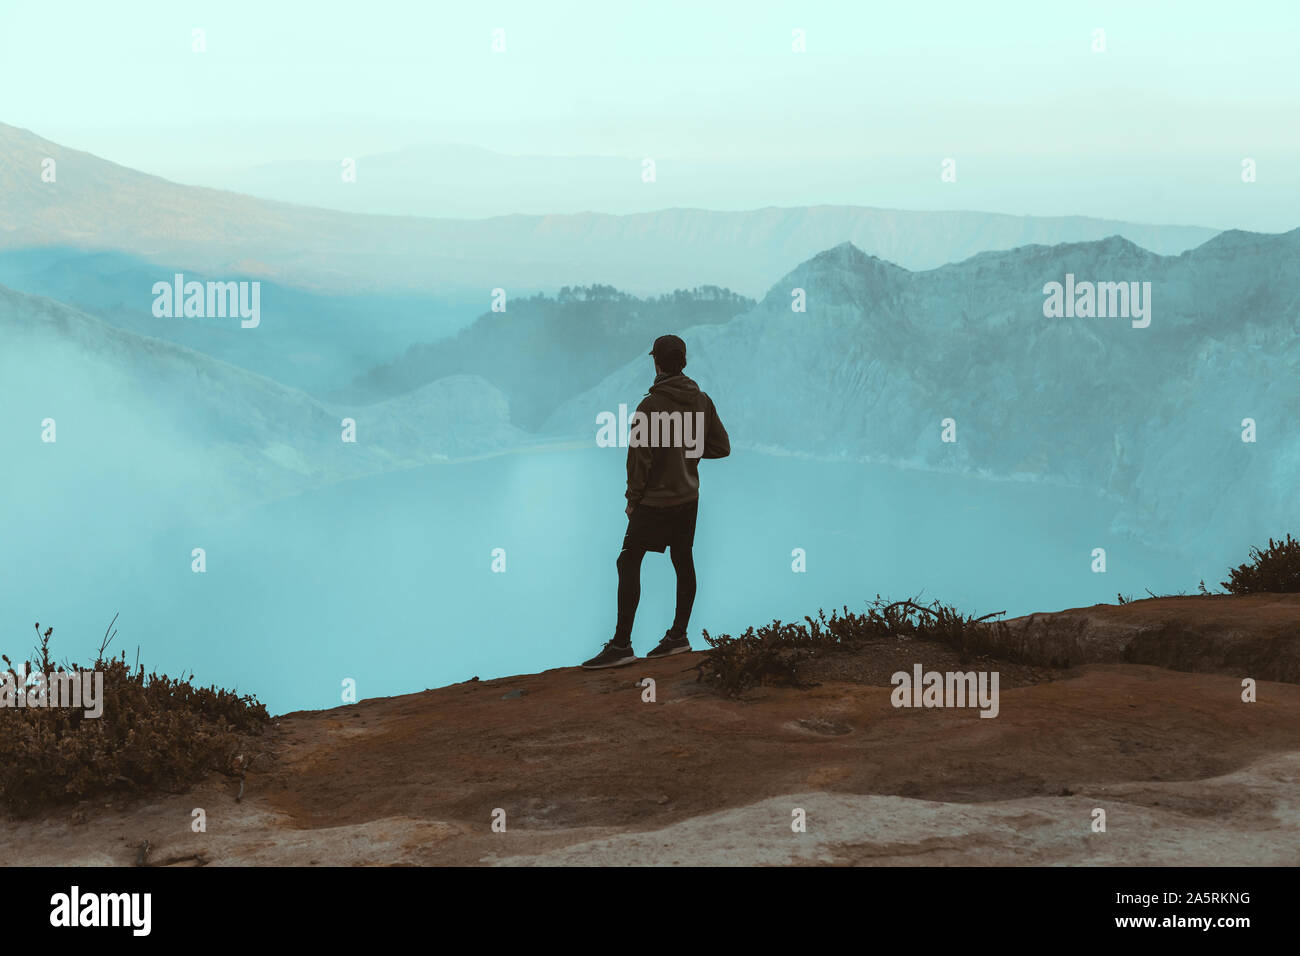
{"type": "Point", "coordinates": [1247, 636]}
{"type": "Point", "coordinates": [588, 772]}
{"type": "Point", "coordinates": [1153, 417]}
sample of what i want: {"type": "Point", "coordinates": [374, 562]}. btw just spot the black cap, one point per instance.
{"type": "Point", "coordinates": [666, 345]}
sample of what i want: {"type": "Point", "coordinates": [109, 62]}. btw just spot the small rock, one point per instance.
{"type": "Point", "coordinates": [820, 725]}
{"type": "Point", "coordinates": [663, 799]}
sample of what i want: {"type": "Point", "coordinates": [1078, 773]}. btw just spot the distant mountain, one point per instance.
{"type": "Point", "coordinates": [306, 339]}
{"type": "Point", "coordinates": [96, 204]}
{"type": "Point", "coordinates": [447, 180]}
{"type": "Point", "coordinates": [168, 421]}
{"type": "Point", "coordinates": [542, 350]}
{"type": "Point", "coordinates": [1152, 416]}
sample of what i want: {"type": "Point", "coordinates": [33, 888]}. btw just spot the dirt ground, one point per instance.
{"type": "Point", "coordinates": [587, 772]}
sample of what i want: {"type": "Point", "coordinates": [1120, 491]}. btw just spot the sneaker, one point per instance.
{"type": "Point", "coordinates": [671, 644]}
{"type": "Point", "coordinates": [611, 655]}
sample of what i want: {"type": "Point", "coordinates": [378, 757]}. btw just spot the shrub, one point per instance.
{"type": "Point", "coordinates": [1275, 570]}
{"type": "Point", "coordinates": [771, 654]}
{"type": "Point", "coordinates": [155, 733]}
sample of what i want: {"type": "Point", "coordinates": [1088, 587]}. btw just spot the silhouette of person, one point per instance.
{"type": "Point", "coordinates": [672, 429]}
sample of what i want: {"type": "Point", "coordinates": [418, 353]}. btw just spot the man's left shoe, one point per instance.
{"type": "Point", "coordinates": [670, 645]}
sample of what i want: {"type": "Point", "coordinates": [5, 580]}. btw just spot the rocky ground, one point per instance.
{"type": "Point", "coordinates": [587, 772]}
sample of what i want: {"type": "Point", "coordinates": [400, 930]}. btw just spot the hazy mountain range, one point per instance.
{"type": "Point", "coordinates": [96, 204]}
{"type": "Point", "coordinates": [1153, 415]}
{"type": "Point", "coordinates": [196, 433]}
{"type": "Point", "coordinates": [460, 181]}
{"type": "Point", "coordinates": [311, 339]}
{"type": "Point", "coordinates": [543, 349]}
{"type": "Point", "coordinates": [881, 357]}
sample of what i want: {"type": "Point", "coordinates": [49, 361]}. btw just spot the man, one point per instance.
{"type": "Point", "coordinates": [674, 426]}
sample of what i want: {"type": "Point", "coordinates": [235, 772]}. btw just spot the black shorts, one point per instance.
{"type": "Point", "coordinates": [654, 529]}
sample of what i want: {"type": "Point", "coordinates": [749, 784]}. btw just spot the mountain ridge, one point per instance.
{"type": "Point", "coordinates": [105, 205]}
{"type": "Point", "coordinates": [142, 402]}
{"type": "Point", "coordinates": [884, 355]}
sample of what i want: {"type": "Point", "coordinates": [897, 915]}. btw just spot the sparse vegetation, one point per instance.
{"type": "Point", "coordinates": [772, 653]}
{"type": "Point", "coordinates": [1275, 570]}
{"type": "Point", "coordinates": [155, 733]}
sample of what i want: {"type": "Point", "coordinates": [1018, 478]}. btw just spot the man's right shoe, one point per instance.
{"type": "Point", "coordinates": [671, 645]}
{"type": "Point", "coordinates": [611, 655]}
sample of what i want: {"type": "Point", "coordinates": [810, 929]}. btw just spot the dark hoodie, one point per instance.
{"type": "Point", "coordinates": [668, 475]}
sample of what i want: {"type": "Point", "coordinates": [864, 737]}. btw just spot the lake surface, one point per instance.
{"type": "Point", "coordinates": [389, 580]}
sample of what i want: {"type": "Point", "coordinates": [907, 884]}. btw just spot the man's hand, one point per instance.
{"type": "Point", "coordinates": [629, 509]}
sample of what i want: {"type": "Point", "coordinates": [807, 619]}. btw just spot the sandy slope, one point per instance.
{"type": "Point", "coordinates": [589, 773]}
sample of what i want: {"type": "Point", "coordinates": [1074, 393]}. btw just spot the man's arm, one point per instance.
{"type": "Point", "coordinates": [717, 444]}
{"type": "Point", "coordinates": [639, 460]}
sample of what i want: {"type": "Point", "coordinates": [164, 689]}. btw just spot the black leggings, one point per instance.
{"type": "Point", "coordinates": [629, 590]}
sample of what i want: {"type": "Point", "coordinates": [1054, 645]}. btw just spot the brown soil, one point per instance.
{"type": "Point", "coordinates": [586, 771]}
{"type": "Point", "coordinates": [1256, 634]}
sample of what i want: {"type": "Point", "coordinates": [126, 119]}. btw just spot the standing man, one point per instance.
{"type": "Point", "coordinates": [673, 428]}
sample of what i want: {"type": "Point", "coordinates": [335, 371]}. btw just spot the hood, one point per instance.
{"type": "Point", "coordinates": [678, 389]}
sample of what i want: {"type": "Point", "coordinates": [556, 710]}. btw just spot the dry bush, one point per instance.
{"type": "Point", "coordinates": [1275, 570]}
{"type": "Point", "coordinates": [155, 733]}
{"type": "Point", "coordinates": [772, 653]}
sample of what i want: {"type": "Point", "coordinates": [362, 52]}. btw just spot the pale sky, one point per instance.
{"type": "Point", "coordinates": [1154, 128]}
